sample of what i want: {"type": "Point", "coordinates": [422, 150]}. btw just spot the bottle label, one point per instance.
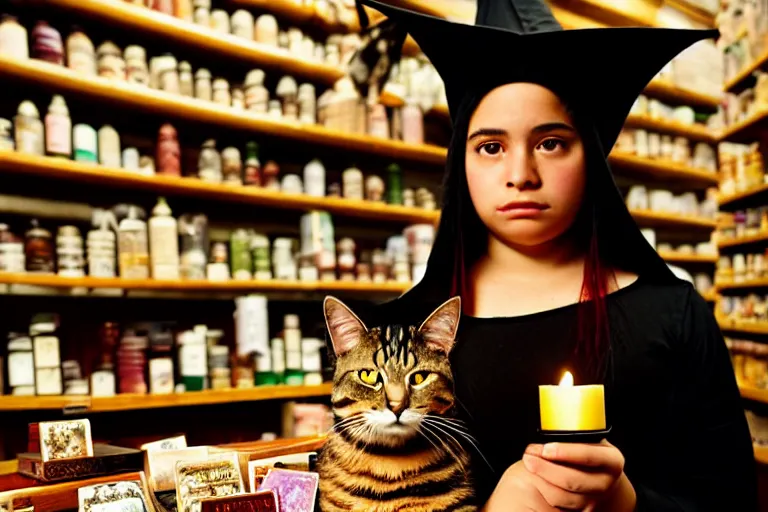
{"type": "Point", "coordinates": [58, 135]}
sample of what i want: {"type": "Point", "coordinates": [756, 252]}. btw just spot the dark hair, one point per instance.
{"type": "Point", "coordinates": [460, 214]}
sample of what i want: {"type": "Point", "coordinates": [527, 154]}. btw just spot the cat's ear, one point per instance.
{"type": "Point", "coordinates": [439, 329]}
{"type": "Point", "coordinates": [345, 328]}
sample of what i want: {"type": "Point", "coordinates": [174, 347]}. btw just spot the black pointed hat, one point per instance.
{"type": "Point", "coordinates": [600, 70]}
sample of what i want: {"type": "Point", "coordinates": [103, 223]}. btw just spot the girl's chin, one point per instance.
{"type": "Point", "coordinates": [526, 233]}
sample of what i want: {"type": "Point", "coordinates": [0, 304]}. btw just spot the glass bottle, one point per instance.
{"type": "Point", "coordinates": [58, 128]}
{"type": "Point", "coordinates": [110, 154]}
{"type": "Point", "coordinates": [252, 174]}
{"type": "Point", "coordinates": [81, 54]}
{"type": "Point", "coordinates": [232, 166]}
{"type": "Point", "coordinates": [29, 129]}
{"type": "Point", "coordinates": [38, 250]}
{"type": "Point", "coordinates": [209, 163]}
{"type": "Point", "coordinates": [168, 151]}
{"type": "Point", "coordinates": [13, 38]}
{"type": "Point", "coordinates": [47, 44]}
{"type": "Point", "coordinates": [85, 143]}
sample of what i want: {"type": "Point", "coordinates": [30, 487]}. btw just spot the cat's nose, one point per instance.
{"type": "Point", "coordinates": [397, 407]}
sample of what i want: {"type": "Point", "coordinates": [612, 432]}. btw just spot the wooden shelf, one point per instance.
{"type": "Point", "coordinates": [144, 99]}
{"type": "Point", "coordinates": [693, 11]}
{"type": "Point", "coordinates": [745, 73]}
{"type": "Point", "coordinates": [48, 167]}
{"type": "Point", "coordinates": [670, 220]}
{"type": "Point", "coordinates": [742, 327]}
{"type": "Point", "coordinates": [727, 200]}
{"type": "Point", "coordinates": [672, 257]}
{"type": "Point", "coordinates": [693, 132]}
{"type": "Point", "coordinates": [667, 91]}
{"type": "Point", "coordinates": [761, 454]}
{"type": "Point", "coordinates": [756, 394]}
{"type": "Point", "coordinates": [128, 16]}
{"type": "Point", "coordinates": [748, 129]}
{"type": "Point", "coordinates": [744, 240]}
{"type": "Point", "coordinates": [663, 169]}
{"type": "Point", "coordinates": [710, 296]}
{"type": "Point", "coordinates": [753, 283]}
{"type": "Point", "coordinates": [130, 402]}
{"type": "Point", "coordinates": [297, 12]}
{"type": "Point", "coordinates": [54, 281]}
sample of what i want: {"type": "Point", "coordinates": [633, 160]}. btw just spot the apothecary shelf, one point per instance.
{"type": "Point", "coordinates": [122, 13]}
{"type": "Point", "coordinates": [91, 174]}
{"type": "Point", "coordinates": [62, 80]}
{"type": "Point", "coordinates": [747, 71]}
{"type": "Point", "coordinates": [665, 219]}
{"type": "Point", "coordinates": [728, 199]}
{"type": "Point", "coordinates": [117, 283]}
{"type": "Point", "coordinates": [129, 402]}
{"type": "Point", "coordinates": [743, 240]}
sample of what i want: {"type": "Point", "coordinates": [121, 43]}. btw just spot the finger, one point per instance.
{"type": "Point", "coordinates": [557, 497]}
{"type": "Point", "coordinates": [587, 455]}
{"type": "Point", "coordinates": [569, 478]}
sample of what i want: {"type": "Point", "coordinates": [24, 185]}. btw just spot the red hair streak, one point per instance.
{"type": "Point", "coordinates": [594, 331]}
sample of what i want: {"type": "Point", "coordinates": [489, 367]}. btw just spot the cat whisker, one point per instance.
{"type": "Point", "coordinates": [446, 446]}
{"type": "Point", "coordinates": [434, 421]}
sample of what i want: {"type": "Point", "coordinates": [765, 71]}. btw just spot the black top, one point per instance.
{"type": "Point", "coordinates": [671, 396]}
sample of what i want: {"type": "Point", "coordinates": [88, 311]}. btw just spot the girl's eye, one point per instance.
{"type": "Point", "coordinates": [370, 377]}
{"type": "Point", "coordinates": [552, 144]}
{"type": "Point", "coordinates": [490, 148]}
{"type": "Point", "coordinates": [418, 378]}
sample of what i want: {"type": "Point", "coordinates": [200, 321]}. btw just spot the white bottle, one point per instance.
{"type": "Point", "coordinates": [163, 242]}
{"type": "Point", "coordinates": [133, 251]}
{"type": "Point", "coordinates": [314, 178]}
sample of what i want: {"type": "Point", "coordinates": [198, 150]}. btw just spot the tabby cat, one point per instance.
{"type": "Point", "coordinates": [394, 446]}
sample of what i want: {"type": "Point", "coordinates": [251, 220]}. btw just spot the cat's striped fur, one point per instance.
{"type": "Point", "coordinates": [395, 445]}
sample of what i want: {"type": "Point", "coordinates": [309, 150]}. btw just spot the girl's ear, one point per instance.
{"type": "Point", "coordinates": [439, 329]}
{"type": "Point", "coordinates": [345, 328]}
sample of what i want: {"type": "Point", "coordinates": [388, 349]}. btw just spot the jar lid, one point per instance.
{"type": "Point", "coordinates": [259, 241]}
{"type": "Point", "coordinates": [255, 77]}
{"type": "Point", "coordinates": [291, 321]}
{"type": "Point", "coordinates": [135, 52]}
{"type": "Point", "coordinates": [27, 108]}
{"type": "Point", "coordinates": [69, 231]}
{"type": "Point", "coordinates": [37, 231]}
{"type": "Point", "coordinates": [5, 125]}
{"type": "Point", "coordinates": [108, 49]}
{"type": "Point", "coordinates": [202, 74]}
{"type": "Point", "coordinates": [185, 67]}
{"type": "Point", "coordinates": [58, 105]}
{"type": "Point", "coordinates": [218, 351]}
{"type": "Point", "coordinates": [283, 243]}
{"type": "Point", "coordinates": [220, 83]}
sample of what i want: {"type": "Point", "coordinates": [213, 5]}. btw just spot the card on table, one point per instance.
{"type": "Point", "coordinates": [112, 497]}
{"type": "Point", "coordinates": [212, 478]}
{"type": "Point", "coordinates": [296, 490]}
{"type": "Point", "coordinates": [65, 439]}
{"type": "Point", "coordinates": [262, 501]}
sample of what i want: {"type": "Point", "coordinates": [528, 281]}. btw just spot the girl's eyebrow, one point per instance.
{"type": "Point", "coordinates": [487, 132]}
{"type": "Point", "coordinates": [546, 127]}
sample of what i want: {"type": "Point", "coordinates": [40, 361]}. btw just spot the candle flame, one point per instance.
{"type": "Point", "coordinates": [567, 380]}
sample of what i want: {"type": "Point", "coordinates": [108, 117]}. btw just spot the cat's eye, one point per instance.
{"type": "Point", "coordinates": [418, 378]}
{"type": "Point", "coordinates": [370, 377]}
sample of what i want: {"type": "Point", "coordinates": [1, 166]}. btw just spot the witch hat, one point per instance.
{"type": "Point", "coordinates": [600, 71]}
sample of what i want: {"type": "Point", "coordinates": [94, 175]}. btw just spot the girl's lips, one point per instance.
{"type": "Point", "coordinates": [523, 206]}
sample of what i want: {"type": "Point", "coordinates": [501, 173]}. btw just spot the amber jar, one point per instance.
{"type": "Point", "coordinates": [38, 250]}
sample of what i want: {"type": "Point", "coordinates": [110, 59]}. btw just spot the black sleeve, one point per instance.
{"type": "Point", "coordinates": [712, 465]}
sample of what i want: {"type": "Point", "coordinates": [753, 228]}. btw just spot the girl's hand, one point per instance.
{"type": "Point", "coordinates": [588, 477]}
{"type": "Point", "coordinates": [517, 492]}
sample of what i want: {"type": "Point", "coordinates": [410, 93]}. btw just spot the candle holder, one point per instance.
{"type": "Point", "coordinates": [574, 436]}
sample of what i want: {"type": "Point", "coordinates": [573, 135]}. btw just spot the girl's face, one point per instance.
{"type": "Point", "coordinates": [525, 164]}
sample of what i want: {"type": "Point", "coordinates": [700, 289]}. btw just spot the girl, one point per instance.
{"type": "Point", "coordinates": [554, 275]}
